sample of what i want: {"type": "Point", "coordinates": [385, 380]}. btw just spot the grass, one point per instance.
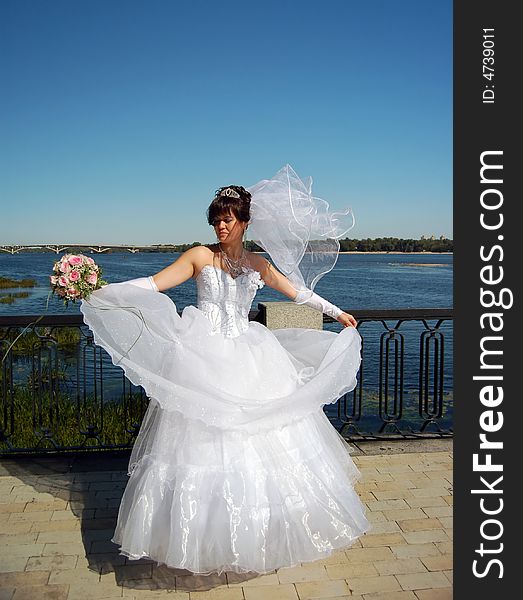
{"type": "Point", "coordinates": [66, 337]}
{"type": "Point", "coordinates": [10, 298]}
{"type": "Point", "coordinates": [41, 418]}
{"type": "Point", "coordinates": [8, 282]}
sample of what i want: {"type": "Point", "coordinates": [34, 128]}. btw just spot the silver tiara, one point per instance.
{"type": "Point", "coordinates": [230, 192]}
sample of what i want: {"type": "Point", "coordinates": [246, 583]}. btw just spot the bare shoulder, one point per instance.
{"type": "Point", "coordinates": [201, 255]}
{"type": "Point", "coordinates": [198, 255]}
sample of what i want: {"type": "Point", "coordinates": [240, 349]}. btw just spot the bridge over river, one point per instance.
{"type": "Point", "coordinates": [93, 248]}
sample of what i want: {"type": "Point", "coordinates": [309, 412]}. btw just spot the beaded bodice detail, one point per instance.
{"type": "Point", "coordinates": [226, 300]}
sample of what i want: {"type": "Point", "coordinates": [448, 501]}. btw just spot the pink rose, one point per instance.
{"type": "Point", "coordinates": [74, 275]}
{"type": "Point", "coordinates": [54, 279]}
{"type": "Point", "coordinates": [89, 260]}
{"type": "Point", "coordinates": [72, 292]}
{"type": "Point", "coordinates": [93, 278]}
{"type": "Point", "coordinates": [63, 281]}
{"type": "Point", "coordinates": [65, 267]}
{"type": "Point", "coordinates": [74, 260]}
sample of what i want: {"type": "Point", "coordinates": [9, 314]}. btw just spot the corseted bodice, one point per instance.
{"type": "Point", "coordinates": [226, 300]}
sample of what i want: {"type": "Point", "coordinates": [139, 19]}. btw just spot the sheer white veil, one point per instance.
{"type": "Point", "coordinates": [296, 229]}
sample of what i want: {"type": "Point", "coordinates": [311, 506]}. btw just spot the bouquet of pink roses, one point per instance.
{"type": "Point", "coordinates": [75, 276]}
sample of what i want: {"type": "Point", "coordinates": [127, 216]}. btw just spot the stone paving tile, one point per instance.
{"type": "Point", "coordinates": [442, 562]}
{"type": "Point", "coordinates": [391, 596]}
{"type": "Point", "coordinates": [419, 581]}
{"type": "Point", "coordinates": [10, 564]}
{"type": "Point", "coordinates": [54, 504]}
{"type": "Point", "coordinates": [93, 591]}
{"type": "Point", "coordinates": [9, 507]}
{"type": "Point", "coordinates": [336, 558]}
{"type": "Point", "coordinates": [441, 594]}
{"type": "Point", "coordinates": [426, 502]}
{"type": "Point", "coordinates": [438, 511]}
{"type": "Point", "coordinates": [383, 539]}
{"type": "Point", "coordinates": [57, 537]}
{"type": "Point", "coordinates": [445, 547]}
{"type": "Point", "coordinates": [70, 576]}
{"type": "Point", "coordinates": [70, 525]}
{"type": "Point", "coordinates": [349, 570]}
{"type": "Point", "coordinates": [420, 524]}
{"type": "Point", "coordinates": [322, 589]}
{"type": "Point", "coordinates": [295, 574]}
{"type": "Point", "coordinates": [17, 538]}
{"type": "Point", "coordinates": [432, 483]}
{"type": "Point", "coordinates": [415, 550]}
{"type": "Point", "coordinates": [446, 522]}
{"type": "Point", "coordinates": [63, 548]}
{"type": "Point", "coordinates": [152, 595]}
{"type": "Point", "coordinates": [29, 517]}
{"type": "Point", "coordinates": [423, 537]}
{"type": "Point", "coordinates": [41, 592]}
{"type": "Point", "coordinates": [50, 563]}
{"type": "Point", "coordinates": [404, 514]}
{"type": "Point", "coordinates": [285, 591]}
{"type": "Point", "coordinates": [399, 484]}
{"type": "Point", "coordinates": [392, 494]}
{"type": "Point", "coordinates": [368, 585]}
{"type": "Point", "coordinates": [376, 516]}
{"type": "Point", "coordinates": [400, 566]}
{"type": "Point", "coordinates": [25, 550]}
{"type": "Point", "coordinates": [396, 469]}
{"type": "Point", "coordinates": [429, 492]}
{"type": "Point", "coordinates": [382, 505]}
{"type": "Point", "coordinates": [385, 527]}
{"type": "Point", "coordinates": [18, 578]}
{"type": "Point", "coordinates": [370, 554]}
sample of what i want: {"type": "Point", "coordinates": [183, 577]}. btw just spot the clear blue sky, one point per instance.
{"type": "Point", "coordinates": [119, 118]}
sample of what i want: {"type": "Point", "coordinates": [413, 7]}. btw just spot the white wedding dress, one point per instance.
{"type": "Point", "coordinates": [236, 466]}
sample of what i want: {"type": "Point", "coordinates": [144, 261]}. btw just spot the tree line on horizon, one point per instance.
{"type": "Point", "coordinates": [383, 244]}
{"type": "Point", "coordinates": [393, 244]}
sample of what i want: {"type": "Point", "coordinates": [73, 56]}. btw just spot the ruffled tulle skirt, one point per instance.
{"type": "Point", "coordinates": [236, 466]}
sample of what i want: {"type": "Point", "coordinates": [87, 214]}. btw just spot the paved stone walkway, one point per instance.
{"type": "Point", "coordinates": [57, 516]}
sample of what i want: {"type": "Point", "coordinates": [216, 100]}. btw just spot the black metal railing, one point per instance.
{"type": "Point", "coordinates": [416, 404]}
{"type": "Point", "coordinates": [60, 392]}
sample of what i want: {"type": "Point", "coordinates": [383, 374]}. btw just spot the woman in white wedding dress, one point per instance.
{"type": "Point", "coordinates": [236, 466]}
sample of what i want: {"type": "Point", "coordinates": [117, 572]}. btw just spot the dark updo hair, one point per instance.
{"type": "Point", "coordinates": [222, 205]}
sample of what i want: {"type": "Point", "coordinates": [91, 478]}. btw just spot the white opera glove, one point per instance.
{"type": "Point", "coordinates": [146, 283]}
{"type": "Point", "coordinates": [318, 303]}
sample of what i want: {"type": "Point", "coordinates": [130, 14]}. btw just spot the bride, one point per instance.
{"type": "Point", "coordinates": [236, 466]}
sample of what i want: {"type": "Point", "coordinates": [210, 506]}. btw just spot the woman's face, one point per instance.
{"type": "Point", "coordinates": [228, 228]}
